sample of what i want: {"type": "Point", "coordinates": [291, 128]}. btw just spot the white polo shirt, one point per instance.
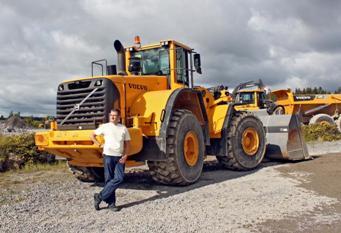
{"type": "Point", "coordinates": [114, 137]}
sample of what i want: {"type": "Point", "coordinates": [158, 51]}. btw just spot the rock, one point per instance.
{"type": "Point", "coordinates": [2, 166]}
{"type": "Point", "coordinates": [47, 158]}
{"type": "Point", "coordinates": [14, 162]}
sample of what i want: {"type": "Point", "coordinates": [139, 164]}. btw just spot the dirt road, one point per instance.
{"type": "Point", "coordinates": [290, 197]}
{"type": "Point", "coordinates": [321, 176]}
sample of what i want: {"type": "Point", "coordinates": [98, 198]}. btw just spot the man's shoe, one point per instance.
{"type": "Point", "coordinates": [113, 208]}
{"type": "Point", "coordinates": [97, 201]}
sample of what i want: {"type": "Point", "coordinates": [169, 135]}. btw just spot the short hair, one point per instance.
{"type": "Point", "coordinates": [116, 110]}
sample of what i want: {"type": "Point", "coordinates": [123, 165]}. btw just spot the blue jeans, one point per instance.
{"type": "Point", "coordinates": [113, 174]}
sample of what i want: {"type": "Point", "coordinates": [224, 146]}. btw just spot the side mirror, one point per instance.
{"type": "Point", "coordinates": [197, 63]}
{"type": "Point", "coordinates": [134, 65]}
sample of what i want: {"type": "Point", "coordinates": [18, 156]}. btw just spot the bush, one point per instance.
{"type": "Point", "coordinates": [318, 132]}
{"type": "Point", "coordinates": [17, 150]}
{"type": "Point", "coordinates": [29, 121]}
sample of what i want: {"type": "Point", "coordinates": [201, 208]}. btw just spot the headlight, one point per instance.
{"type": "Point", "coordinates": [61, 87]}
{"type": "Point", "coordinates": [98, 83]}
{"type": "Point", "coordinates": [41, 139]}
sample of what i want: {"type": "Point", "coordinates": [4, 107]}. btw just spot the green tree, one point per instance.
{"type": "Point", "coordinates": [298, 91]}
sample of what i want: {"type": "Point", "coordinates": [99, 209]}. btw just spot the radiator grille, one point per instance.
{"type": "Point", "coordinates": [93, 111]}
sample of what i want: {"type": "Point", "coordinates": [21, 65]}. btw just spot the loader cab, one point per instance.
{"type": "Point", "coordinates": [168, 59]}
{"type": "Point", "coordinates": [252, 98]}
{"type": "Point", "coordinates": [245, 98]}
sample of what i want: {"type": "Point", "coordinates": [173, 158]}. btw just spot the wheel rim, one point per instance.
{"type": "Point", "coordinates": [250, 141]}
{"type": "Point", "coordinates": [191, 148]}
{"type": "Point", "coordinates": [279, 111]}
{"type": "Point", "coordinates": [324, 123]}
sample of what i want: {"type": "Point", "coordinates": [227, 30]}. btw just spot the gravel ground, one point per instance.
{"type": "Point", "coordinates": [277, 197]}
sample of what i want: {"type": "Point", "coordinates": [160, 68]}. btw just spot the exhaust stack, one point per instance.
{"type": "Point", "coordinates": [121, 65]}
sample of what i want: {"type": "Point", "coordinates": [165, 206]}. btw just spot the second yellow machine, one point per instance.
{"type": "Point", "coordinates": [173, 124]}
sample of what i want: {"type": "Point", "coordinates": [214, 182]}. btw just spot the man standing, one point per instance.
{"type": "Point", "coordinates": [115, 153]}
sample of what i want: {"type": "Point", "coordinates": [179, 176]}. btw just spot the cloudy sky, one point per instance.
{"type": "Point", "coordinates": [285, 43]}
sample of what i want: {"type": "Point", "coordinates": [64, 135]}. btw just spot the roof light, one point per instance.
{"type": "Point", "coordinates": [164, 43]}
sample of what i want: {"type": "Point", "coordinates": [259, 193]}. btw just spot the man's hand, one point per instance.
{"type": "Point", "coordinates": [97, 143]}
{"type": "Point", "coordinates": [123, 159]}
{"type": "Point", "coordinates": [125, 152]}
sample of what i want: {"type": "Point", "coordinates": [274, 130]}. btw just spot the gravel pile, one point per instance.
{"type": "Point", "coordinates": [222, 201]}
{"type": "Point", "coordinates": [7, 129]}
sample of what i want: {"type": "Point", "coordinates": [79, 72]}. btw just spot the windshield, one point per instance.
{"type": "Point", "coordinates": [245, 97]}
{"type": "Point", "coordinates": [153, 61]}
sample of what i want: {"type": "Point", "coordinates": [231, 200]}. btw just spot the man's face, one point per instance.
{"type": "Point", "coordinates": [114, 117]}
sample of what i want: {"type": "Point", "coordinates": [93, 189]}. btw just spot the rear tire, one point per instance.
{"type": "Point", "coordinates": [321, 119]}
{"type": "Point", "coordinates": [279, 110]}
{"type": "Point", "coordinates": [87, 174]}
{"type": "Point", "coordinates": [246, 143]}
{"type": "Point", "coordinates": [185, 151]}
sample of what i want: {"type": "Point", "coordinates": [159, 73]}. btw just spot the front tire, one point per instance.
{"type": "Point", "coordinates": [246, 143]}
{"type": "Point", "coordinates": [185, 151]}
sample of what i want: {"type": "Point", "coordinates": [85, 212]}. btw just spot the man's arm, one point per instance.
{"type": "Point", "coordinates": [125, 152]}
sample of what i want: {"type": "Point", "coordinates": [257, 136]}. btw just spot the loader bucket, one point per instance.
{"type": "Point", "coordinates": [284, 137]}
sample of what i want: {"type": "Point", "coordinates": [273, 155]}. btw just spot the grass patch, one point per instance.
{"type": "Point", "coordinates": [31, 173]}
{"type": "Point", "coordinates": [34, 167]}
{"type": "Point", "coordinates": [318, 132]}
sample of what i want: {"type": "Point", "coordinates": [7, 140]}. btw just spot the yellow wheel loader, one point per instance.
{"type": "Point", "coordinates": [312, 108]}
{"type": "Point", "coordinates": [284, 139]}
{"type": "Point", "coordinates": [173, 124]}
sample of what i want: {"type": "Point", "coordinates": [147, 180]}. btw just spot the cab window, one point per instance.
{"type": "Point", "coordinates": [153, 61]}
{"type": "Point", "coordinates": [246, 97]}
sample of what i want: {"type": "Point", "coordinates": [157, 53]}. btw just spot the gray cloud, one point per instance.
{"type": "Point", "coordinates": [286, 44]}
